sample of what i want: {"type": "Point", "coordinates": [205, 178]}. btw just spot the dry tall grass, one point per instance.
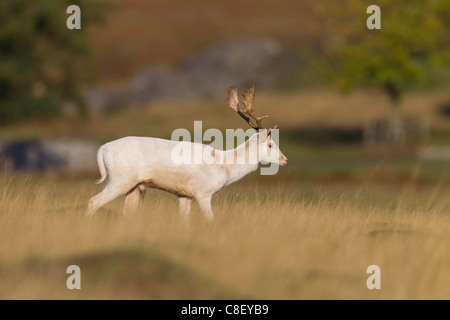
{"type": "Point", "coordinates": [296, 110]}
{"type": "Point", "coordinates": [266, 242]}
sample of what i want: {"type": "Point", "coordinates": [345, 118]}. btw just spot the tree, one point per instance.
{"type": "Point", "coordinates": [411, 49]}
{"type": "Point", "coordinates": [42, 62]}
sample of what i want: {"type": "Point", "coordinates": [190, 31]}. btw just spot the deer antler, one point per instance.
{"type": "Point", "coordinates": [248, 114]}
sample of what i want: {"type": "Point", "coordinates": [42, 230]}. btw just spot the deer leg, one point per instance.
{"type": "Point", "coordinates": [132, 199]}
{"type": "Point", "coordinates": [108, 194]}
{"type": "Point", "coordinates": [93, 204]}
{"type": "Point", "coordinates": [205, 206]}
{"type": "Point", "coordinates": [184, 205]}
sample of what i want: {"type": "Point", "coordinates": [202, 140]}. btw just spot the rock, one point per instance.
{"type": "Point", "coordinates": [434, 153]}
{"type": "Point", "coordinates": [208, 74]}
{"type": "Point", "coordinates": [238, 62]}
{"type": "Point", "coordinates": [51, 154]}
{"type": "Point", "coordinates": [152, 84]}
{"type": "Point", "coordinates": [104, 101]}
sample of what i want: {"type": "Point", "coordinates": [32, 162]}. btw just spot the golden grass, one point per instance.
{"type": "Point", "coordinates": [266, 242]}
{"type": "Point", "coordinates": [302, 109]}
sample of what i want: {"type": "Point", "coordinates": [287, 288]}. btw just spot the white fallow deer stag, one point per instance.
{"type": "Point", "coordinates": [132, 163]}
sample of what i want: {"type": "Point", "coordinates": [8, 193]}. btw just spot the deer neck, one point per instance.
{"type": "Point", "coordinates": [241, 161]}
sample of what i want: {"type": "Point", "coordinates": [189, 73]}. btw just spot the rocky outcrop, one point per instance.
{"type": "Point", "coordinates": [51, 154]}
{"type": "Point", "coordinates": [207, 74]}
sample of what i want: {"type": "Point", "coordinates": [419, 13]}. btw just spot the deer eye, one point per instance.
{"type": "Point", "coordinates": [269, 145]}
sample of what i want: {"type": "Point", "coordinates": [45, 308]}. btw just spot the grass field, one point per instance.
{"type": "Point", "coordinates": [290, 110]}
{"type": "Point", "coordinates": [276, 240]}
{"type": "Point", "coordinates": [308, 232]}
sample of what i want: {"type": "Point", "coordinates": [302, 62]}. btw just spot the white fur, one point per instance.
{"type": "Point", "coordinates": [131, 163]}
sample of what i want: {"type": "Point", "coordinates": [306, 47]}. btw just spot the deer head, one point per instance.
{"type": "Point", "coordinates": [268, 150]}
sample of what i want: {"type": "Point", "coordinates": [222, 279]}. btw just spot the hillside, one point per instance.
{"type": "Point", "coordinates": [140, 33]}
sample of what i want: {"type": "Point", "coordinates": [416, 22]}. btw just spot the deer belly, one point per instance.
{"type": "Point", "coordinates": [177, 184]}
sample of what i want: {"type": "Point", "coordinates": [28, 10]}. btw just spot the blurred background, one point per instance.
{"type": "Point", "coordinates": [347, 99]}
{"type": "Point", "coordinates": [364, 118]}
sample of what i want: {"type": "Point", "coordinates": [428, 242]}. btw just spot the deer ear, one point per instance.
{"type": "Point", "coordinates": [264, 134]}
{"type": "Point", "coordinates": [275, 127]}
{"type": "Point", "coordinates": [269, 132]}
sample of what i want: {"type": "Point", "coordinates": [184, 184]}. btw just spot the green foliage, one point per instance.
{"type": "Point", "coordinates": [41, 61]}
{"type": "Point", "coordinates": [411, 49]}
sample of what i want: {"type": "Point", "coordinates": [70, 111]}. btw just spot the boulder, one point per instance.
{"type": "Point", "coordinates": [237, 62]}
{"type": "Point", "coordinates": [50, 154]}
{"type": "Point", "coordinates": [104, 101]}
{"type": "Point", "coordinates": [208, 74]}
